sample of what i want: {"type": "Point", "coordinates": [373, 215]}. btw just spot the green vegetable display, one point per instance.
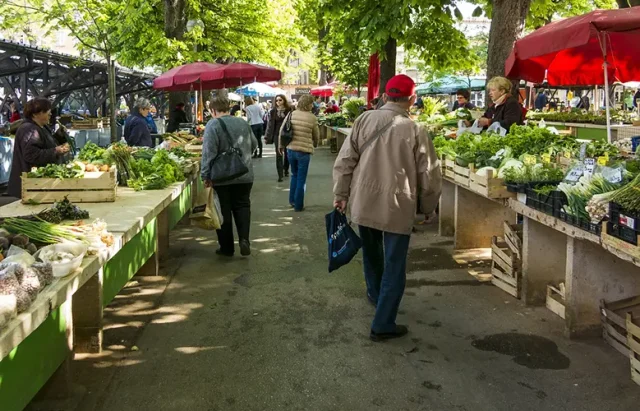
{"type": "Point", "coordinates": [578, 195]}
{"type": "Point", "coordinates": [156, 174]}
{"type": "Point", "coordinates": [61, 171]}
{"type": "Point", "coordinates": [92, 153]}
{"type": "Point", "coordinates": [628, 196]}
{"type": "Point", "coordinates": [537, 173]}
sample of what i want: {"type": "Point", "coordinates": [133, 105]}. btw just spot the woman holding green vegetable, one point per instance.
{"type": "Point", "coordinates": [34, 144]}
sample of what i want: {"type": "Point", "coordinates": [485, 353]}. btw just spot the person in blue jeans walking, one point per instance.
{"type": "Point", "coordinates": [304, 127]}
{"type": "Point", "coordinates": [387, 163]}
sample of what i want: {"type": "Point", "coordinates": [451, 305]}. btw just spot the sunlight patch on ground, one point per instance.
{"type": "Point", "coordinates": [195, 350]}
{"type": "Point", "coordinates": [271, 225]}
{"type": "Point", "coordinates": [262, 240]}
{"type": "Point", "coordinates": [135, 324]}
{"type": "Point", "coordinates": [286, 218]}
{"type": "Point", "coordinates": [119, 363]}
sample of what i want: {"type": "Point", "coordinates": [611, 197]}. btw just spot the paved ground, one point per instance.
{"type": "Point", "coordinates": [276, 332]}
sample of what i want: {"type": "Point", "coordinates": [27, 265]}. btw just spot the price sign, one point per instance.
{"type": "Point", "coordinates": [567, 154]}
{"type": "Point", "coordinates": [602, 161]}
{"type": "Point", "coordinates": [575, 174]}
{"type": "Point", "coordinates": [530, 160]}
{"type": "Point", "coordinates": [546, 158]}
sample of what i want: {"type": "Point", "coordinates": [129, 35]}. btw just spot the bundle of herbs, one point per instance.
{"type": "Point", "coordinates": [628, 196]}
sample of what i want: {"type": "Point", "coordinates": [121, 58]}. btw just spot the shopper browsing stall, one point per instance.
{"type": "Point", "coordinates": [34, 145]}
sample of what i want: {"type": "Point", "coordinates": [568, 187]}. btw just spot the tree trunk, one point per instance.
{"type": "Point", "coordinates": [175, 18]}
{"type": "Point", "coordinates": [111, 93]}
{"type": "Point", "coordinates": [175, 25]}
{"type": "Point", "coordinates": [625, 4]}
{"type": "Point", "coordinates": [507, 24]}
{"type": "Point", "coordinates": [322, 33]}
{"type": "Point", "coordinates": [388, 65]}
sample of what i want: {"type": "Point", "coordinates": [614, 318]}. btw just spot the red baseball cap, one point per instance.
{"type": "Point", "coordinates": [400, 86]}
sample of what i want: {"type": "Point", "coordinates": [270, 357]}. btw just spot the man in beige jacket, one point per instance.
{"type": "Point", "coordinates": [387, 163]}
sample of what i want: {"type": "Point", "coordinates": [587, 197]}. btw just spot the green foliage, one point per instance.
{"type": "Point", "coordinates": [424, 27]}
{"type": "Point", "coordinates": [353, 107]}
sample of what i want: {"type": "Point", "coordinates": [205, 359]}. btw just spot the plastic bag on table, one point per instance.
{"type": "Point", "coordinates": [462, 128]}
{"type": "Point", "coordinates": [344, 243]}
{"type": "Point", "coordinates": [497, 128]}
{"type": "Point", "coordinates": [19, 256]}
{"type": "Point", "coordinates": [206, 213]}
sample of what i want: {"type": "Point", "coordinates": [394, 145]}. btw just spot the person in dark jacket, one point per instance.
{"type": "Point", "coordinates": [34, 144]}
{"type": "Point", "coordinates": [506, 109]}
{"type": "Point", "coordinates": [136, 130]}
{"type": "Point", "coordinates": [153, 129]}
{"type": "Point", "coordinates": [178, 116]}
{"type": "Point", "coordinates": [462, 100]}
{"type": "Point", "coordinates": [541, 100]}
{"type": "Point", "coordinates": [276, 119]}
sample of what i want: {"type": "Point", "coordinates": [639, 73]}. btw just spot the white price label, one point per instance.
{"type": "Point", "coordinates": [575, 174]}
{"type": "Point", "coordinates": [627, 221]}
{"type": "Point", "coordinates": [613, 176]}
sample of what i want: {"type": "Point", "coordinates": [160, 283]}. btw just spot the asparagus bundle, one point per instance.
{"type": "Point", "coordinates": [628, 196]}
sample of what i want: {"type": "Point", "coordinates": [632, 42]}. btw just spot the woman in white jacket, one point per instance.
{"type": "Point", "coordinates": [255, 115]}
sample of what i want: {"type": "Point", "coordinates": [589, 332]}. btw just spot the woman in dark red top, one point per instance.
{"type": "Point", "coordinates": [15, 115]}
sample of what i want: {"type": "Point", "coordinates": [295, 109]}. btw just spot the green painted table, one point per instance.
{"type": "Point", "coordinates": [67, 315]}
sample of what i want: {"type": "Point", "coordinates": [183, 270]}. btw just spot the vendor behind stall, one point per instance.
{"type": "Point", "coordinates": [505, 109]}
{"type": "Point", "coordinates": [462, 100]}
{"type": "Point", "coordinates": [177, 117]}
{"type": "Point", "coordinates": [136, 131]}
{"type": "Point", "coordinates": [35, 145]}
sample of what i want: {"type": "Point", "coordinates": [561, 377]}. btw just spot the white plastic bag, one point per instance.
{"type": "Point", "coordinates": [475, 128]}
{"type": "Point", "coordinates": [497, 128]}
{"type": "Point", "coordinates": [19, 256]}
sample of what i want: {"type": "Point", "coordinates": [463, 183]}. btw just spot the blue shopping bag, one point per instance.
{"type": "Point", "coordinates": [344, 243]}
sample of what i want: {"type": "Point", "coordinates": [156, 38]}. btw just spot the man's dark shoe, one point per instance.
{"type": "Point", "coordinates": [400, 331]}
{"type": "Point", "coordinates": [219, 252]}
{"type": "Point", "coordinates": [245, 248]}
{"type": "Point", "coordinates": [280, 180]}
{"type": "Point", "coordinates": [286, 174]}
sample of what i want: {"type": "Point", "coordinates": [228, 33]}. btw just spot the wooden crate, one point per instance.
{"type": "Point", "coordinates": [94, 187]}
{"type": "Point", "coordinates": [633, 341]}
{"type": "Point", "coordinates": [461, 174]}
{"type": "Point", "coordinates": [505, 267]}
{"type": "Point", "coordinates": [194, 148]}
{"type": "Point", "coordinates": [555, 301]}
{"type": "Point", "coordinates": [620, 245]}
{"type": "Point", "coordinates": [489, 186]}
{"type": "Point", "coordinates": [513, 238]}
{"type": "Point", "coordinates": [447, 165]}
{"type": "Point", "coordinates": [614, 326]}
{"type": "Point", "coordinates": [88, 124]}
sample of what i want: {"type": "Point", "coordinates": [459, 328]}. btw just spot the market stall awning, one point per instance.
{"type": "Point", "coordinates": [322, 91]}
{"type": "Point", "coordinates": [237, 74]}
{"type": "Point", "coordinates": [186, 77]}
{"type": "Point", "coordinates": [572, 51]}
{"type": "Point", "coordinates": [259, 90]}
{"type": "Point", "coordinates": [450, 84]}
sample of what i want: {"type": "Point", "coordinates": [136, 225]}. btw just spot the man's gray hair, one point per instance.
{"type": "Point", "coordinates": [220, 101]}
{"type": "Point", "coordinates": [398, 99]}
{"type": "Point", "coordinates": [141, 104]}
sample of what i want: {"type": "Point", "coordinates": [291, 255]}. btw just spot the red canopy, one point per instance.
{"type": "Point", "coordinates": [571, 50]}
{"type": "Point", "coordinates": [184, 78]}
{"type": "Point", "coordinates": [322, 91]}
{"type": "Point", "coordinates": [236, 74]}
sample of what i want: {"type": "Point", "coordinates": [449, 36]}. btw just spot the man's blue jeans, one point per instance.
{"type": "Point", "coordinates": [299, 162]}
{"type": "Point", "coordinates": [385, 265]}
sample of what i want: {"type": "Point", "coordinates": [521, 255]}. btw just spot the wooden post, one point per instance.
{"type": "Point", "coordinates": [447, 216]}
{"type": "Point", "coordinates": [478, 219]}
{"type": "Point", "coordinates": [594, 274]}
{"type": "Point", "coordinates": [544, 260]}
{"type": "Point", "coordinates": [87, 305]}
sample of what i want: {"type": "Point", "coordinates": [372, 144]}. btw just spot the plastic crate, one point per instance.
{"type": "Point", "coordinates": [517, 188]}
{"type": "Point", "coordinates": [618, 215]}
{"type": "Point", "coordinates": [622, 232]}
